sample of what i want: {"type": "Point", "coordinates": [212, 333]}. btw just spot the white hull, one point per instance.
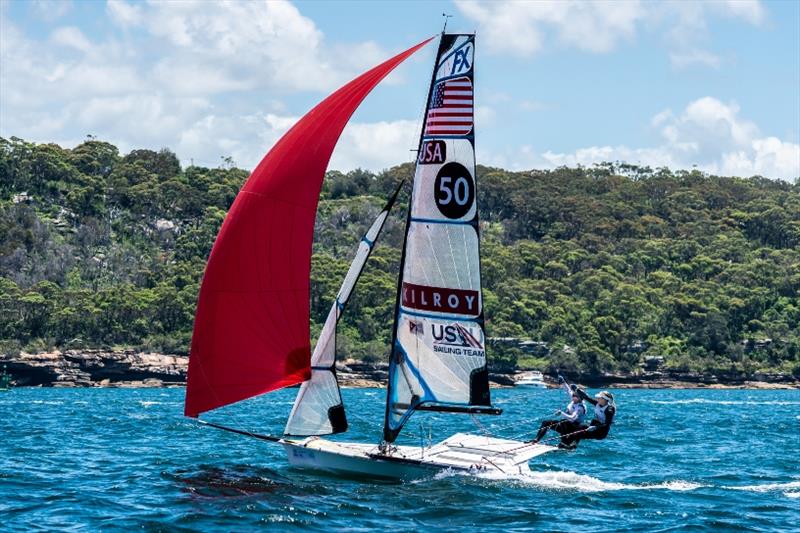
{"type": "Point", "coordinates": [461, 452]}
{"type": "Point", "coordinates": [531, 384]}
{"type": "Point", "coordinates": [532, 379]}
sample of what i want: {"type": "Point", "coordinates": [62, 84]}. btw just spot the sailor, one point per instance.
{"type": "Point", "coordinates": [571, 421]}
{"type": "Point", "coordinates": [598, 428]}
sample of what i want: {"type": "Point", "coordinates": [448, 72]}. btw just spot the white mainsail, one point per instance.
{"type": "Point", "coordinates": [438, 355]}
{"type": "Point", "coordinates": [318, 407]}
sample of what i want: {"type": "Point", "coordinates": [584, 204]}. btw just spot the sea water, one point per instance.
{"type": "Point", "coordinates": [692, 460]}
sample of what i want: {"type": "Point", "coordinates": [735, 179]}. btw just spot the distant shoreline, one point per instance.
{"type": "Point", "coordinates": [129, 369]}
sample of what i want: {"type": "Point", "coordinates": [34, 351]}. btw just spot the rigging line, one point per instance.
{"type": "Point", "coordinates": [421, 117]}
{"type": "Point", "coordinates": [269, 438]}
{"type": "Point", "coordinates": [483, 429]}
{"type": "Point", "coordinates": [493, 464]}
{"type": "Point", "coordinates": [559, 437]}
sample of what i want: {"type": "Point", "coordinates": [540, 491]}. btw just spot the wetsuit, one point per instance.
{"type": "Point", "coordinates": [599, 427]}
{"type": "Point", "coordinates": [570, 422]}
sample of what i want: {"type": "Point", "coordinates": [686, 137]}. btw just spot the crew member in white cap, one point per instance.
{"type": "Point", "coordinates": [604, 411]}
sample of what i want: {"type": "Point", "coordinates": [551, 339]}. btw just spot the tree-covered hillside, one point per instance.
{"type": "Point", "coordinates": [602, 266]}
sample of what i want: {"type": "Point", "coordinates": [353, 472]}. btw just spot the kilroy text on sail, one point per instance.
{"type": "Point", "coordinates": [440, 299]}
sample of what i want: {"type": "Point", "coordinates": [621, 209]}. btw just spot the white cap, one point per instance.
{"type": "Point", "coordinates": [604, 395]}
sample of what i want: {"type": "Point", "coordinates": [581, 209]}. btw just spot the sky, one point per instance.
{"type": "Point", "coordinates": [712, 85]}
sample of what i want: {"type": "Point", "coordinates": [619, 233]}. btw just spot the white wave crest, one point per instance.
{"type": "Point", "coordinates": [572, 481]}
{"type": "Point", "coordinates": [584, 483]}
{"type": "Point", "coordinates": [768, 487]}
{"type": "Point", "coordinates": [561, 480]}
{"type": "Point", "coordinates": [721, 402]}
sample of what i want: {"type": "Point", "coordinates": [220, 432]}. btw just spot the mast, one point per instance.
{"type": "Point", "coordinates": [438, 358]}
{"type": "Point", "coordinates": [318, 408]}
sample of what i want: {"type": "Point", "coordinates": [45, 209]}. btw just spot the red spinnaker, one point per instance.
{"type": "Point", "coordinates": [251, 329]}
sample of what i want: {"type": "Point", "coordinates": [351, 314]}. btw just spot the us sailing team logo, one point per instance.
{"type": "Point", "coordinates": [455, 339]}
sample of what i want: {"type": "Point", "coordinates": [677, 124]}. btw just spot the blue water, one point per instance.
{"type": "Point", "coordinates": [676, 460]}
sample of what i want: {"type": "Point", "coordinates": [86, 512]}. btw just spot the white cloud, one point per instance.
{"type": "Point", "coordinates": [708, 134]}
{"type": "Point", "coordinates": [124, 14]}
{"type": "Point", "coordinates": [681, 60]}
{"type": "Point", "coordinates": [525, 28]}
{"type": "Point", "coordinates": [51, 10]}
{"type": "Point", "coordinates": [197, 78]}
{"type": "Point", "coordinates": [247, 139]}
{"type": "Point", "coordinates": [376, 145]}
{"type": "Point", "coordinates": [251, 44]}
{"type": "Point", "coordinates": [213, 89]}
{"type": "Point", "coordinates": [532, 105]}
{"type": "Point", "coordinates": [521, 27]}
{"type": "Point", "coordinates": [63, 87]}
{"type": "Point", "coordinates": [72, 37]}
{"type": "Point", "coordinates": [484, 115]}
{"type": "Point", "coordinates": [751, 11]}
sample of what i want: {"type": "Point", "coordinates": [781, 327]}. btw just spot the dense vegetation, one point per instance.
{"type": "Point", "coordinates": [606, 265]}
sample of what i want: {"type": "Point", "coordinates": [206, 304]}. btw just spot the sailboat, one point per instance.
{"type": "Point", "coordinates": [251, 332]}
{"type": "Point", "coordinates": [532, 379]}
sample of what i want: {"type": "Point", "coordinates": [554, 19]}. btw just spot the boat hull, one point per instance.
{"type": "Point", "coordinates": [531, 384]}
{"type": "Point", "coordinates": [461, 452]}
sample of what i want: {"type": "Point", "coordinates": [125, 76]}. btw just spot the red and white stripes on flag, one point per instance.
{"type": "Point", "coordinates": [450, 112]}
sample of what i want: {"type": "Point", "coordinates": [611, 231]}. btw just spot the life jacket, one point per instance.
{"type": "Point", "coordinates": [578, 408]}
{"type": "Point", "coordinates": [603, 413]}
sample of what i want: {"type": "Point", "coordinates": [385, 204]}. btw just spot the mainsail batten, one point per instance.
{"type": "Point", "coordinates": [438, 349]}
{"type": "Point", "coordinates": [251, 326]}
{"type": "Point", "coordinates": [318, 408]}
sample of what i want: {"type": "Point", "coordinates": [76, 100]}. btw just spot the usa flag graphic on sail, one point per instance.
{"type": "Point", "coordinates": [450, 111]}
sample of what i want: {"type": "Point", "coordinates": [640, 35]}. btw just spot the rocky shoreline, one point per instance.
{"type": "Point", "coordinates": [128, 368]}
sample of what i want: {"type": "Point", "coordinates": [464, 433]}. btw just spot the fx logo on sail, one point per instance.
{"type": "Point", "coordinates": [457, 62]}
{"type": "Point", "coordinates": [462, 60]}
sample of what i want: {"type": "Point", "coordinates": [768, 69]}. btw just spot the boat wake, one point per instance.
{"type": "Point", "coordinates": [561, 480]}
{"type": "Point", "coordinates": [572, 481]}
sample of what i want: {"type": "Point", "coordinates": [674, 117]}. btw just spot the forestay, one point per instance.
{"type": "Point", "coordinates": [318, 407]}
{"type": "Point", "coordinates": [438, 356]}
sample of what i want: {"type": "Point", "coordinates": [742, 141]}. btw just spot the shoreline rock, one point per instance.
{"type": "Point", "coordinates": [129, 368]}
{"type": "Point", "coordinates": [96, 368]}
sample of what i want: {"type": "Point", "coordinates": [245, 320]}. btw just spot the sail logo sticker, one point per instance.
{"type": "Point", "coordinates": [440, 299]}
{"type": "Point", "coordinates": [459, 61]}
{"type": "Point", "coordinates": [462, 60]}
{"type": "Point", "coordinates": [455, 339]}
{"type": "Point", "coordinates": [433, 152]}
{"type": "Point", "coordinates": [416, 328]}
{"type": "Point", "coordinates": [454, 190]}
